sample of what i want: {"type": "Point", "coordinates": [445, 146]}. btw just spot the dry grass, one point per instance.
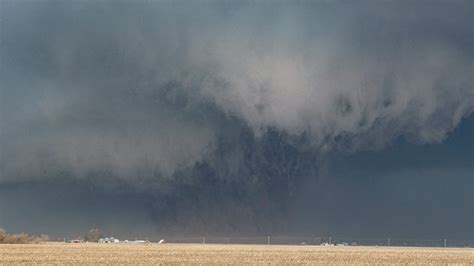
{"type": "Point", "coordinates": [61, 254]}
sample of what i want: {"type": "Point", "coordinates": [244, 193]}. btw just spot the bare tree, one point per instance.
{"type": "Point", "coordinates": [21, 238]}
{"type": "Point", "coordinates": [3, 235]}
{"type": "Point", "coordinates": [93, 235]}
{"type": "Point", "coordinates": [39, 239]}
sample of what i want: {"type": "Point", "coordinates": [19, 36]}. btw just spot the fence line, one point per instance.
{"type": "Point", "coordinates": [326, 240]}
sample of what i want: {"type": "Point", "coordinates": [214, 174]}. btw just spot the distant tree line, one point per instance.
{"type": "Point", "coordinates": [21, 238]}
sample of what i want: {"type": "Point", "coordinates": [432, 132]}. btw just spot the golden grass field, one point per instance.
{"type": "Point", "coordinates": [210, 254]}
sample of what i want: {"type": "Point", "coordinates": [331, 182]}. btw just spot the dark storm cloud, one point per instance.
{"type": "Point", "coordinates": [127, 85]}
{"type": "Point", "coordinates": [182, 96]}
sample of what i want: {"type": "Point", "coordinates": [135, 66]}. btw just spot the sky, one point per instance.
{"type": "Point", "coordinates": [237, 117]}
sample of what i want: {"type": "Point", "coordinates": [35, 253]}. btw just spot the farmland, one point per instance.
{"type": "Point", "coordinates": [61, 253]}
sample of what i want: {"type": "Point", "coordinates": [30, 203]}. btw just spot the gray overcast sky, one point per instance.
{"type": "Point", "coordinates": [252, 117]}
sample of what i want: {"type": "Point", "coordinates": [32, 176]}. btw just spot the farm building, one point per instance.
{"type": "Point", "coordinates": [109, 240]}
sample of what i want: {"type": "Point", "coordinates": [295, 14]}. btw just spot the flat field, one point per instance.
{"type": "Point", "coordinates": [210, 254]}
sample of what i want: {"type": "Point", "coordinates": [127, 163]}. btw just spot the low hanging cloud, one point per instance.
{"type": "Point", "coordinates": [146, 88]}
